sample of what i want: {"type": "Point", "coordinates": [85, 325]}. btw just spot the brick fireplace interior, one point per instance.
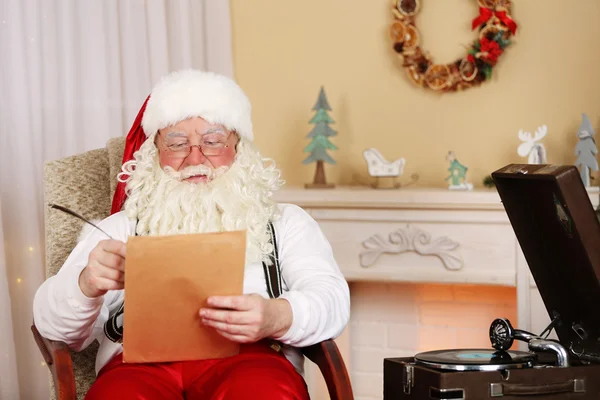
{"type": "Point", "coordinates": [401, 319]}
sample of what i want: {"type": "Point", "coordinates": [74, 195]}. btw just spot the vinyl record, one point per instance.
{"type": "Point", "coordinates": [476, 359]}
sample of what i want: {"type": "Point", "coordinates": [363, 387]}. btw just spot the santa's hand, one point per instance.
{"type": "Point", "coordinates": [248, 318]}
{"type": "Point", "coordinates": [105, 269]}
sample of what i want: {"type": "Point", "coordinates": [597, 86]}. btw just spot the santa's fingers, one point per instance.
{"type": "Point", "coordinates": [106, 284]}
{"type": "Point", "coordinates": [231, 317]}
{"type": "Point", "coordinates": [99, 270]}
{"type": "Point", "coordinates": [237, 333]}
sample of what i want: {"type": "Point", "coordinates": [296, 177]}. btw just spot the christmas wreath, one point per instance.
{"type": "Point", "coordinates": [495, 27]}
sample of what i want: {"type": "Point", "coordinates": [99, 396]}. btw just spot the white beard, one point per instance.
{"type": "Point", "coordinates": [236, 199]}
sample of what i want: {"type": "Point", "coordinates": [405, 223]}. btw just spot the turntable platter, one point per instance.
{"type": "Point", "coordinates": [475, 359]}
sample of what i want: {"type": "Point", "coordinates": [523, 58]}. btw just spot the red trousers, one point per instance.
{"type": "Point", "coordinates": [258, 372]}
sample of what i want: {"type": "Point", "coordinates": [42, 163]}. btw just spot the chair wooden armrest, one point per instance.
{"type": "Point", "coordinates": [329, 360]}
{"type": "Point", "coordinates": [58, 359]}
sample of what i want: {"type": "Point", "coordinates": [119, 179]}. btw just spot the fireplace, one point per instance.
{"type": "Point", "coordinates": [427, 269]}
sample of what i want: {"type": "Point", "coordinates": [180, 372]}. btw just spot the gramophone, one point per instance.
{"type": "Point", "coordinates": [559, 234]}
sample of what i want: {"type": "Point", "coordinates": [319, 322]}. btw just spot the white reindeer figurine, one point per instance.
{"type": "Point", "coordinates": [531, 147]}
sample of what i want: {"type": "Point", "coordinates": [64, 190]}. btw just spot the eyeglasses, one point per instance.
{"type": "Point", "coordinates": [211, 144]}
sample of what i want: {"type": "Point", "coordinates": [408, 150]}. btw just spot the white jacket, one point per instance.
{"type": "Point", "coordinates": [312, 283]}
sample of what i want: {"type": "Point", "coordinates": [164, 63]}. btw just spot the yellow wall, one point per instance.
{"type": "Point", "coordinates": [284, 51]}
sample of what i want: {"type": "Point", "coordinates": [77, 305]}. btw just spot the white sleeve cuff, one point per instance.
{"type": "Point", "coordinates": [300, 317]}
{"type": "Point", "coordinates": [75, 296]}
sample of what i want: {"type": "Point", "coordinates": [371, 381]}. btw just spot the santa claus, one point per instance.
{"type": "Point", "coordinates": [190, 166]}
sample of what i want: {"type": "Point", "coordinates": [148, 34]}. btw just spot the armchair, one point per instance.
{"type": "Point", "coordinates": [85, 183]}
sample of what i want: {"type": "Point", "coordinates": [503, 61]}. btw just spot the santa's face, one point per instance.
{"type": "Point", "coordinates": [195, 147]}
{"type": "Point", "coordinates": [236, 195]}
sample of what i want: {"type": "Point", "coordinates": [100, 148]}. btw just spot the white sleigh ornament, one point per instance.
{"type": "Point", "coordinates": [531, 146]}
{"type": "Point", "coordinates": [379, 167]}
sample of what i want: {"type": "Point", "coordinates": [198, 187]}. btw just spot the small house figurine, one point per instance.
{"type": "Point", "coordinates": [586, 150]}
{"type": "Point", "coordinates": [458, 174]}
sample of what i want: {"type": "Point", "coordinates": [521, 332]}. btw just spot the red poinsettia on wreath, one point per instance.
{"type": "Point", "coordinates": [485, 51]}
{"type": "Point", "coordinates": [489, 51]}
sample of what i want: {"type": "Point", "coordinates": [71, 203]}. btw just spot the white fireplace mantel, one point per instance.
{"type": "Point", "coordinates": [424, 235]}
{"type": "Point", "coordinates": [411, 198]}
{"type": "Point", "coordinates": [415, 235]}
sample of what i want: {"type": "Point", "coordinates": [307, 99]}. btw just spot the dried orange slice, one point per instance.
{"type": "Point", "coordinates": [408, 7]}
{"type": "Point", "coordinates": [437, 76]}
{"type": "Point", "coordinates": [398, 32]}
{"type": "Point", "coordinates": [412, 38]}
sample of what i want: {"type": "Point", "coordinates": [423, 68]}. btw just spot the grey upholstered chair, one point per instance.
{"type": "Point", "coordinates": [85, 183]}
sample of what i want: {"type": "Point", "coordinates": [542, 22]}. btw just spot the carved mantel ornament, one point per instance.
{"type": "Point", "coordinates": [410, 238]}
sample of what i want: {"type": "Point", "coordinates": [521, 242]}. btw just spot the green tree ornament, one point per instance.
{"type": "Point", "coordinates": [320, 144]}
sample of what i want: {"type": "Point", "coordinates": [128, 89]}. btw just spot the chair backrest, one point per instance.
{"type": "Point", "coordinates": [85, 184]}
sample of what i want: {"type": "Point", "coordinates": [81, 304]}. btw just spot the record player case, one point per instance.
{"type": "Point", "coordinates": [559, 234]}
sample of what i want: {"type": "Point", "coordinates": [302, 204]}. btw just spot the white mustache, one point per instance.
{"type": "Point", "coordinates": [194, 170]}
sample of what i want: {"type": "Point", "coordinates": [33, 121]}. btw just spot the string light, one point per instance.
{"type": "Point", "coordinates": [18, 280]}
{"type": "Point", "coordinates": [31, 249]}
{"type": "Point", "coordinates": [43, 364]}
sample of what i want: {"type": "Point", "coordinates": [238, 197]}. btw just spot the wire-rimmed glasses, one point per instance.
{"type": "Point", "coordinates": [211, 144]}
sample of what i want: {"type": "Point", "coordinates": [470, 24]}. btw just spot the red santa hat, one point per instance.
{"type": "Point", "coordinates": [182, 95]}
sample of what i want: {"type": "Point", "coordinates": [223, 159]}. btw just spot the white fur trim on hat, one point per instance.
{"type": "Point", "coordinates": [192, 93]}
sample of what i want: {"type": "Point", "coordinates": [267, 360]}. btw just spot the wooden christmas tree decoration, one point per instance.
{"type": "Point", "coordinates": [320, 143]}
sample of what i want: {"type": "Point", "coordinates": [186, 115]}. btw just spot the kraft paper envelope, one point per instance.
{"type": "Point", "coordinates": [167, 281]}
